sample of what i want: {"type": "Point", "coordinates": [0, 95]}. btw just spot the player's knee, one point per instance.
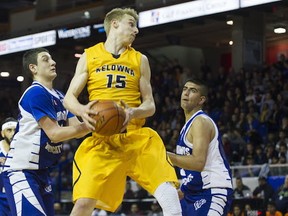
{"type": "Point", "coordinates": [85, 203]}
{"type": "Point", "coordinates": [167, 197]}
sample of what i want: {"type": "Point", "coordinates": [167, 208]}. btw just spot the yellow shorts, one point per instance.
{"type": "Point", "coordinates": [101, 165]}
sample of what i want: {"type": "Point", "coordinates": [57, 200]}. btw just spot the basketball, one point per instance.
{"type": "Point", "coordinates": [110, 118]}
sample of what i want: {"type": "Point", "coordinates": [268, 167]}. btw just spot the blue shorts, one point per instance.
{"type": "Point", "coordinates": [4, 207]}
{"type": "Point", "coordinates": [210, 202]}
{"type": "Point", "coordinates": [29, 192]}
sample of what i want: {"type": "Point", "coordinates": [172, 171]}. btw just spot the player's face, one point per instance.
{"type": "Point", "coordinates": [191, 97]}
{"type": "Point", "coordinates": [7, 134]}
{"type": "Point", "coordinates": [127, 29]}
{"type": "Point", "coordinates": [46, 66]}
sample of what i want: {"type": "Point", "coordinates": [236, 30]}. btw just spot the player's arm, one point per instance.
{"type": "Point", "coordinates": [76, 86]}
{"type": "Point", "coordinates": [56, 133]}
{"type": "Point", "coordinates": [200, 134]}
{"type": "Point", "coordinates": [147, 107]}
{"type": "Point", "coordinates": [74, 121]}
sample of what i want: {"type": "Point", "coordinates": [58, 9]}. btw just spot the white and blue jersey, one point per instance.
{"type": "Point", "coordinates": [4, 207]}
{"type": "Point", "coordinates": [216, 172]}
{"type": "Point", "coordinates": [26, 172]}
{"type": "Point", "coordinates": [3, 154]}
{"type": "Point", "coordinates": [31, 148]}
{"type": "Point", "coordinates": [207, 192]}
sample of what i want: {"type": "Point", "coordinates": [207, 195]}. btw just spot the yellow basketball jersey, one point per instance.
{"type": "Point", "coordinates": [114, 78]}
{"type": "Point", "coordinates": [138, 153]}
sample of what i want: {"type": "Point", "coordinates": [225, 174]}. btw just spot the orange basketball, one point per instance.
{"type": "Point", "coordinates": [110, 118]}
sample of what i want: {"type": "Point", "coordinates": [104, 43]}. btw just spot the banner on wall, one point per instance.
{"type": "Point", "coordinates": [80, 32]}
{"type": "Point", "coordinates": [193, 9]}
{"type": "Point", "coordinates": [27, 42]}
{"type": "Point", "coordinates": [75, 33]}
{"type": "Point", "coordinates": [47, 38]}
{"type": "Point", "coordinates": [185, 11]}
{"type": "Point", "coordinates": [250, 3]}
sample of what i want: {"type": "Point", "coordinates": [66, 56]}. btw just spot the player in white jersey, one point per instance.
{"type": "Point", "coordinates": [37, 144]}
{"type": "Point", "coordinates": [206, 187]}
{"type": "Point", "coordinates": [8, 127]}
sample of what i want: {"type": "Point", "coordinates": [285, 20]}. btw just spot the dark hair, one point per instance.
{"type": "Point", "coordinates": [9, 119]}
{"type": "Point", "coordinates": [203, 85]}
{"type": "Point", "coordinates": [30, 57]}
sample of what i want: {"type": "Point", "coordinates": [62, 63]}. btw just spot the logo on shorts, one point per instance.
{"type": "Point", "coordinates": [48, 188]}
{"type": "Point", "coordinates": [199, 203]}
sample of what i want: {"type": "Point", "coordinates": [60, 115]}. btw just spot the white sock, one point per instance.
{"type": "Point", "coordinates": [167, 197]}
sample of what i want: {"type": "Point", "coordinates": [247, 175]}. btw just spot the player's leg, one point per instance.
{"type": "Point", "coordinates": [24, 192]}
{"type": "Point", "coordinates": [220, 201]}
{"type": "Point", "coordinates": [47, 195]}
{"type": "Point", "coordinates": [83, 164]}
{"type": "Point", "coordinates": [151, 168]}
{"type": "Point", "coordinates": [83, 206]}
{"type": "Point", "coordinates": [4, 207]}
{"type": "Point", "coordinates": [210, 202]}
{"type": "Point", "coordinates": [167, 197]}
{"type": "Point", "coordinates": [99, 177]}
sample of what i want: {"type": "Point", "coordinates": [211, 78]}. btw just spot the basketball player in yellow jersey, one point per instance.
{"type": "Point", "coordinates": [113, 70]}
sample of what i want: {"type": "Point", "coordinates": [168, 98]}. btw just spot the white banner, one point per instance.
{"type": "Point", "coordinates": [185, 11]}
{"type": "Point", "coordinates": [249, 3]}
{"type": "Point", "coordinates": [193, 9]}
{"type": "Point", "coordinates": [27, 42]}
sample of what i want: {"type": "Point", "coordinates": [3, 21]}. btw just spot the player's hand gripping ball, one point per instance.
{"type": "Point", "coordinates": [110, 118]}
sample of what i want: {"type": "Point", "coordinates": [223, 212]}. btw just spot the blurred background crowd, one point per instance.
{"type": "Point", "coordinates": [250, 107]}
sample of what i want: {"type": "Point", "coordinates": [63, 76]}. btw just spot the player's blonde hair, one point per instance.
{"type": "Point", "coordinates": [117, 14]}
